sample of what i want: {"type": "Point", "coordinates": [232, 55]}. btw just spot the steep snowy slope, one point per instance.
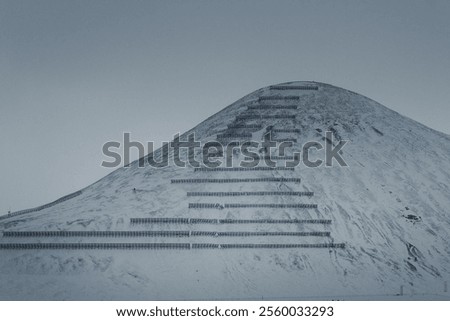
{"type": "Point", "coordinates": [381, 225]}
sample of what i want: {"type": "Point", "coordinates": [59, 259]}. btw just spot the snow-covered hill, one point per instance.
{"type": "Point", "coordinates": [382, 223]}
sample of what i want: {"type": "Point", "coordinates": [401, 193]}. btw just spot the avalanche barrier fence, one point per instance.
{"type": "Point", "coordinates": [117, 234]}
{"type": "Point", "coordinates": [157, 246]}
{"type": "Point", "coordinates": [257, 205]}
{"type": "Point", "coordinates": [234, 180]}
{"type": "Point", "coordinates": [307, 87]}
{"type": "Point", "coordinates": [164, 220]}
{"type": "Point", "coordinates": [224, 194]}
{"type": "Point", "coordinates": [241, 169]}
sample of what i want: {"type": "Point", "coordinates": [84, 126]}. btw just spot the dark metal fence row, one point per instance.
{"type": "Point", "coordinates": [264, 98]}
{"type": "Point", "coordinates": [235, 135]}
{"type": "Point", "coordinates": [247, 158]}
{"type": "Point", "coordinates": [157, 246]}
{"type": "Point", "coordinates": [270, 107]}
{"type": "Point", "coordinates": [93, 246]}
{"type": "Point", "coordinates": [20, 234]}
{"type": "Point", "coordinates": [245, 117]}
{"type": "Point", "coordinates": [241, 169]}
{"type": "Point", "coordinates": [257, 205]}
{"type": "Point", "coordinates": [238, 126]}
{"type": "Point", "coordinates": [161, 220]}
{"type": "Point", "coordinates": [265, 246]}
{"type": "Point", "coordinates": [233, 234]}
{"type": "Point", "coordinates": [224, 194]}
{"type": "Point", "coordinates": [285, 130]}
{"type": "Point", "coordinates": [235, 180]}
{"type": "Point", "coordinates": [306, 87]}
{"type": "Point", "coordinates": [95, 233]}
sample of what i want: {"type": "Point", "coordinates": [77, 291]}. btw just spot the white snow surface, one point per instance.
{"type": "Point", "coordinates": [390, 207]}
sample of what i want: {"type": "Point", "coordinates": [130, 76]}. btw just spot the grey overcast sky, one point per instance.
{"type": "Point", "coordinates": [75, 74]}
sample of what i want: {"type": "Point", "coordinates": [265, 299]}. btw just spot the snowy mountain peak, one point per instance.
{"type": "Point", "coordinates": [364, 230]}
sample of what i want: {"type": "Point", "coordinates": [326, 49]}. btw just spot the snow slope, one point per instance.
{"type": "Point", "coordinates": [389, 207]}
